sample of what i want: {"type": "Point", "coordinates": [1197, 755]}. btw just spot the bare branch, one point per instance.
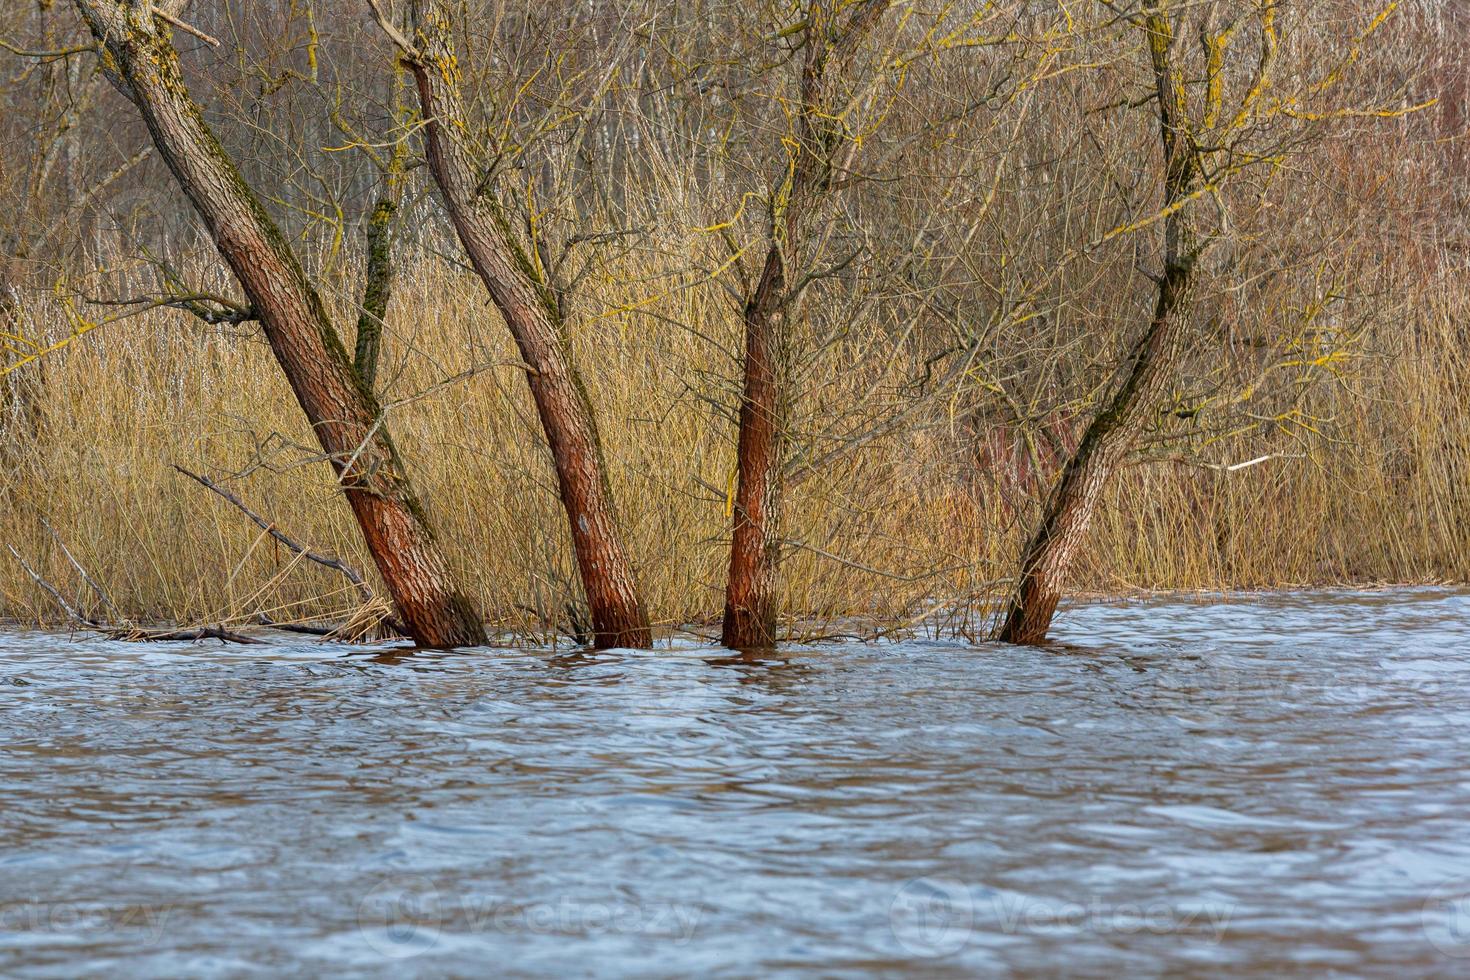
{"type": "Point", "coordinates": [269, 527]}
{"type": "Point", "coordinates": [385, 22]}
{"type": "Point", "coordinates": [169, 18]}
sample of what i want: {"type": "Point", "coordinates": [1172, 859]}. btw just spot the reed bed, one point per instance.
{"type": "Point", "coordinates": [911, 523]}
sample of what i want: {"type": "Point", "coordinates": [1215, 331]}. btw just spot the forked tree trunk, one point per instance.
{"type": "Point", "coordinates": [142, 61]}
{"type": "Point", "coordinates": [1110, 437]}
{"type": "Point", "coordinates": [614, 601]}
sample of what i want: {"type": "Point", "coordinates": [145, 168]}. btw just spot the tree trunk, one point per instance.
{"type": "Point", "coordinates": [377, 288]}
{"type": "Point", "coordinates": [381, 233]}
{"type": "Point", "coordinates": [530, 309]}
{"type": "Point", "coordinates": [343, 412]}
{"type": "Point", "coordinates": [755, 547]}
{"type": "Point", "coordinates": [1103, 449]}
{"type": "Point", "coordinates": [1110, 437]}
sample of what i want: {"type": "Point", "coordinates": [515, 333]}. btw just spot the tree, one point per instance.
{"type": "Point", "coordinates": [519, 284]}
{"type": "Point", "coordinates": [1207, 141]}
{"type": "Point", "coordinates": [139, 57]}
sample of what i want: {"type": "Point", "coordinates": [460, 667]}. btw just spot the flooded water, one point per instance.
{"type": "Point", "coordinates": [1276, 785]}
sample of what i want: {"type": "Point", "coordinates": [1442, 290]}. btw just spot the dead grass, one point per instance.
{"type": "Point", "coordinates": [881, 535]}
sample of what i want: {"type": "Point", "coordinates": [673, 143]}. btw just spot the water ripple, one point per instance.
{"type": "Point", "coordinates": [1274, 784]}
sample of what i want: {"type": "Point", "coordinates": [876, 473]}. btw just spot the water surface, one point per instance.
{"type": "Point", "coordinates": [1276, 785]}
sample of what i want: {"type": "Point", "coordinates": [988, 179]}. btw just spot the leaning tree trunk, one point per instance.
{"type": "Point", "coordinates": [1146, 374]}
{"type": "Point", "coordinates": [614, 601]}
{"type": "Point", "coordinates": [1104, 448]}
{"type": "Point", "coordinates": [343, 412]}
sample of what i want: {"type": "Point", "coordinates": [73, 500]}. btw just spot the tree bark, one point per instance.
{"type": "Point", "coordinates": [346, 418]}
{"type": "Point", "coordinates": [1110, 437]}
{"type": "Point", "coordinates": [381, 235]}
{"type": "Point", "coordinates": [755, 544]}
{"type": "Point", "coordinates": [377, 287]}
{"type": "Point", "coordinates": [532, 314]}
{"type": "Point", "coordinates": [1104, 448]}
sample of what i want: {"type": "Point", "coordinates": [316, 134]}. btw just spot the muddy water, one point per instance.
{"type": "Point", "coordinates": [1275, 785]}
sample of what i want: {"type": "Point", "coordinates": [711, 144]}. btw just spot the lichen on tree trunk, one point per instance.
{"type": "Point", "coordinates": [1111, 435]}
{"type": "Point", "coordinates": [377, 287]}
{"type": "Point", "coordinates": [381, 240]}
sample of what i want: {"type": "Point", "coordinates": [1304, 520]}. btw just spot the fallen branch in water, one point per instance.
{"type": "Point", "coordinates": [200, 633]}
{"type": "Point", "coordinates": [327, 561]}
{"type": "Point", "coordinates": [357, 626]}
{"type": "Point", "coordinates": [111, 631]}
{"type": "Point", "coordinates": [265, 620]}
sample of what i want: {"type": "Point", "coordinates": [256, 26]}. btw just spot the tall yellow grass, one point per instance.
{"type": "Point", "coordinates": [893, 529]}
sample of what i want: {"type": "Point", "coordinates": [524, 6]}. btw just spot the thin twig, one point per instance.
{"type": "Point", "coordinates": [1227, 467]}
{"type": "Point", "coordinates": [1262, 459]}
{"type": "Point", "coordinates": [51, 590]}
{"type": "Point", "coordinates": [168, 18]}
{"type": "Point", "coordinates": [127, 633]}
{"type": "Point", "coordinates": [106, 599]}
{"type": "Point", "coordinates": [394, 34]}
{"type": "Point", "coordinates": [223, 311]}
{"type": "Point", "coordinates": [46, 55]}
{"type": "Point", "coordinates": [269, 527]}
{"type": "Point", "coordinates": [868, 568]}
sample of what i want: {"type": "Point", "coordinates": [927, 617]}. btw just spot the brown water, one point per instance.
{"type": "Point", "coordinates": [1275, 785]}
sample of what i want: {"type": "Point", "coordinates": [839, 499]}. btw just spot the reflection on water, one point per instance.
{"type": "Point", "coordinates": [1274, 784]}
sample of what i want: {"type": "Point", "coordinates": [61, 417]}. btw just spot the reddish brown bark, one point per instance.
{"type": "Point", "coordinates": [615, 603]}
{"type": "Point", "coordinates": [755, 546]}
{"type": "Point", "coordinates": [1110, 437]}
{"type": "Point", "coordinates": [751, 599]}
{"type": "Point", "coordinates": [344, 415]}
